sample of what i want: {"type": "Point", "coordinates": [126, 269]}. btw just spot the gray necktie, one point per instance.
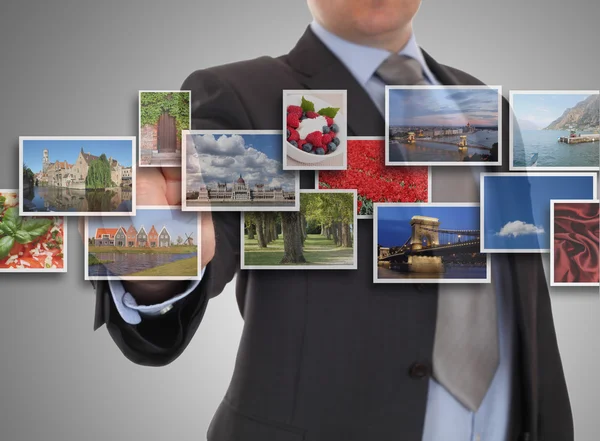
{"type": "Point", "coordinates": [466, 352]}
{"type": "Point", "coordinates": [401, 70]}
{"type": "Point", "coordinates": [466, 349]}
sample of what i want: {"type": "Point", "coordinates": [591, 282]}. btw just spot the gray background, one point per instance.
{"type": "Point", "coordinates": [74, 67]}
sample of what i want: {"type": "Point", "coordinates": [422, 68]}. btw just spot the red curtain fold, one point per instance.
{"type": "Point", "coordinates": [576, 242]}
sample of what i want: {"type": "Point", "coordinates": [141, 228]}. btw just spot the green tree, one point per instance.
{"type": "Point", "coordinates": [99, 174]}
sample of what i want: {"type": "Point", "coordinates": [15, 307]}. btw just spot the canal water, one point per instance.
{"type": "Point", "coordinates": [423, 151]}
{"type": "Point", "coordinates": [452, 272]}
{"type": "Point", "coordinates": [128, 263]}
{"type": "Point", "coordinates": [59, 199]}
{"type": "Point", "coordinates": [552, 153]}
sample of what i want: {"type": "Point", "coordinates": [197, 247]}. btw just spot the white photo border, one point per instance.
{"type": "Point", "coordinates": [488, 266]}
{"type": "Point", "coordinates": [64, 248]}
{"type": "Point", "coordinates": [344, 93]}
{"type": "Point", "coordinates": [552, 256]}
{"type": "Point", "coordinates": [148, 278]}
{"type": "Point", "coordinates": [189, 92]}
{"type": "Point", "coordinates": [483, 175]}
{"type": "Point", "coordinates": [511, 129]}
{"type": "Point", "coordinates": [354, 265]}
{"type": "Point", "coordinates": [131, 139]}
{"type": "Point", "coordinates": [443, 163]}
{"type": "Point", "coordinates": [184, 206]}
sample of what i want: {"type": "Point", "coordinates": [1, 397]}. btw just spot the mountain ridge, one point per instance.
{"type": "Point", "coordinates": [585, 114]}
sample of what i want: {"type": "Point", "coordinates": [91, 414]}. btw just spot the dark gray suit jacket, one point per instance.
{"type": "Point", "coordinates": [328, 355]}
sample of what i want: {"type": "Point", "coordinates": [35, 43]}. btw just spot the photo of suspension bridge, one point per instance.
{"type": "Point", "coordinates": [428, 243]}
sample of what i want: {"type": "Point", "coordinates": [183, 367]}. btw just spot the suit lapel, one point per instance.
{"type": "Point", "coordinates": [318, 68]}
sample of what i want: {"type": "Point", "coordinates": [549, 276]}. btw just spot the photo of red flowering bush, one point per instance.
{"type": "Point", "coordinates": [29, 244]}
{"type": "Point", "coordinates": [368, 174]}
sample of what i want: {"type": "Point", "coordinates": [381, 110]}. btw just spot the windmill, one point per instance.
{"type": "Point", "coordinates": [188, 239]}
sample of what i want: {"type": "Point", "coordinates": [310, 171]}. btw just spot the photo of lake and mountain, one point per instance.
{"type": "Point", "coordinates": [555, 130]}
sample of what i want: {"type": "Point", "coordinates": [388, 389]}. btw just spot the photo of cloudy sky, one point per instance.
{"type": "Point", "coordinates": [216, 158]}
{"type": "Point", "coordinates": [516, 208]}
{"type": "Point", "coordinates": [443, 107]}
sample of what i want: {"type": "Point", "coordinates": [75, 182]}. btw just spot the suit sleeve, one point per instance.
{"type": "Point", "coordinates": [157, 342]}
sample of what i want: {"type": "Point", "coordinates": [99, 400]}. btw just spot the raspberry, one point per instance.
{"type": "Point", "coordinates": [329, 120]}
{"type": "Point", "coordinates": [315, 138]}
{"type": "Point", "coordinates": [294, 135]}
{"type": "Point", "coordinates": [296, 110]}
{"type": "Point", "coordinates": [327, 138]}
{"type": "Point", "coordinates": [312, 114]}
{"type": "Point", "coordinates": [293, 121]}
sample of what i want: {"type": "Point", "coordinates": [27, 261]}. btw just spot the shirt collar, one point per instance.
{"type": "Point", "coordinates": [363, 61]}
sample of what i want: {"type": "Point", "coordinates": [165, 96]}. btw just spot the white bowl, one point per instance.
{"type": "Point", "coordinates": [310, 158]}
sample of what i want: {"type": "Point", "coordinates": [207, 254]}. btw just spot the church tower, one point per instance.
{"type": "Point", "coordinates": [45, 161]}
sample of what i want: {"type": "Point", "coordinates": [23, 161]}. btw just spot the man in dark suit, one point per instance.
{"type": "Point", "coordinates": [328, 355]}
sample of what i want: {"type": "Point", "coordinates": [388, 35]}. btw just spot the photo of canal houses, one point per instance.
{"type": "Point", "coordinates": [237, 171]}
{"type": "Point", "coordinates": [77, 176]}
{"type": "Point", "coordinates": [443, 125]}
{"type": "Point", "coordinates": [163, 114]}
{"type": "Point", "coordinates": [159, 243]}
{"type": "Point", "coordinates": [428, 243]}
{"type": "Point", "coordinates": [554, 130]}
{"type": "Point", "coordinates": [515, 207]}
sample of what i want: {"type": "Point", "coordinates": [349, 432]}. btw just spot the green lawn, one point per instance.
{"type": "Point", "coordinates": [318, 250]}
{"type": "Point", "coordinates": [141, 250]}
{"type": "Point", "coordinates": [93, 260]}
{"type": "Point", "coordinates": [181, 268]}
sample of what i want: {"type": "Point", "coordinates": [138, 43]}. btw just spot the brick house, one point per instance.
{"type": "Point", "coordinates": [152, 237]}
{"type": "Point", "coordinates": [131, 237]}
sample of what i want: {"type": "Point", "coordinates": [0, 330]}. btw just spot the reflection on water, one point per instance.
{"type": "Point", "coordinates": [62, 199]}
{"type": "Point", "coordinates": [128, 263]}
{"type": "Point", "coordinates": [437, 151]}
{"type": "Point", "coordinates": [452, 272]}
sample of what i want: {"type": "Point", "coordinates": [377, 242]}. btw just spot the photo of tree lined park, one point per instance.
{"type": "Point", "coordinates": [322, 235]}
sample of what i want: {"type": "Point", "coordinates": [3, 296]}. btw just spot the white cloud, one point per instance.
{"type": "Point", "coordinates": [226, 158]}
{"type": "Point", "coordinates": [519, 228]}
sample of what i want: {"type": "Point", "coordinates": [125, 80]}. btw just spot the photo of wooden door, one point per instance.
{"type": "Point", "coordinates": [167, 134]}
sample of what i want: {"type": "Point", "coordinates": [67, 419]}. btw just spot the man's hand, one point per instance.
{"type": "Point", "coordinates": [162, 186]}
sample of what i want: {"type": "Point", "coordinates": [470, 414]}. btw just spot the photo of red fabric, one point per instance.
{"type": "Point", "coordinates": [576, 242]}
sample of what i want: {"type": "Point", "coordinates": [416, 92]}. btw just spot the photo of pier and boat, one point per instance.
{"type": "Point", "coordinates": [554, 130]}
{"type": "Point", "coordinates": [428, 243]}
{"type": "Point", "coordinates": [443, 125]}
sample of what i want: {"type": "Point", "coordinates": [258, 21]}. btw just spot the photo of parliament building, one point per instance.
{"type": "Point", "coordinates": [240, 192]}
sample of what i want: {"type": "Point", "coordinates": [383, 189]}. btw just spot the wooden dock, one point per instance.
{"type": "Point", "coordinates": [579, 139]}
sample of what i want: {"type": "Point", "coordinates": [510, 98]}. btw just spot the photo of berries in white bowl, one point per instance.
{"type": "Point", "coordinates": [315, 130]}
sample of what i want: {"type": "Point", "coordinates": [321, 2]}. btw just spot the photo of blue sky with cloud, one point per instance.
{"type": "Point", "coordinates": [535, 111]}
{"type": "Point", "coordinates": [515, 218]}
{"type": "Point", "coordinates": [215, 158]}
{"type": "Point", "coordinates": [443, 107]}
